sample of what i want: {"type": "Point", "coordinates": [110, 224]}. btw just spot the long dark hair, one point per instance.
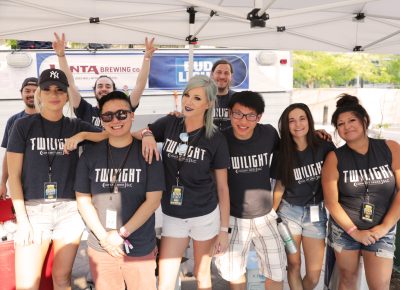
{"type": "Point", "coordinates": [288, 148]}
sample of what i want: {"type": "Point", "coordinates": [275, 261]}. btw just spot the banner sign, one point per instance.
{"type": "Point", "coordinates": [169, 71]}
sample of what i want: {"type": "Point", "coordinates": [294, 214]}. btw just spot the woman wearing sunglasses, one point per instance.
{"type": "Point", "coordinates": [117, 194]}
{"type": "Point", "coordinates": [41, 182]}
{"type": "Point", "coordinates": [298, 192]}
{"type": "Point", "coordinates": [196, 201]}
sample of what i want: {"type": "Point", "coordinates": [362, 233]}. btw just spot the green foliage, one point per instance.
{"type": "Point", "coordinates": [322, 69]}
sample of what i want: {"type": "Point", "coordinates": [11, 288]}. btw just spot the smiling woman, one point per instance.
{"type": "Point", "coordinates": [361, 182]}
{"type": "Point", "coordinates": [41, 183]}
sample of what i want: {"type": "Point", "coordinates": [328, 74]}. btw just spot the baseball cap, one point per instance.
{"type": "Point", "coordinates": [53, 77]}
{"type": "Point", "coordinates": [29, 81]}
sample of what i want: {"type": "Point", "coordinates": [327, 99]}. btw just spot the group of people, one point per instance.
{"type": "Point", "coordinates": [223, 180]}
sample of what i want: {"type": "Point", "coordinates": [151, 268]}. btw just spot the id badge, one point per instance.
{"type": "Point", "coordinates": [111, 219]}
{"type": "Point", "coordinates": [314, 213]}
{"type": "Point", "coordinates": [367, 212]}
{"type": "Point", "coordinates": [50, 191]}
{"type": "Point", "coordinates": [176, 195]}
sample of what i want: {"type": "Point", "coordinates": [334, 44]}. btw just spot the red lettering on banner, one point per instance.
{"type": "Point", "coordinates": [84, 69]}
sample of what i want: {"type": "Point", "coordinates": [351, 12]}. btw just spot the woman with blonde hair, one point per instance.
{"type": "Point", "coordinates": [196, 201]}
{"type": "Point", "coordinates": [41, 183]}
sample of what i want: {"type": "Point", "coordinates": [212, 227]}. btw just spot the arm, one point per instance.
{"type": "Point", "coordinates": [330, 178]}
{"type": "Point", "coordinates": [149, 144]}
{"type": "Point", "coordinates": [108, 240]}
{"type": "Point", "coordinates": [278, 193]}
{"type": "Point", "coordinates": [221, 178]}
{"type": "Point", "coordinates": [392, 216]}
{"type": "Point", "coordinates": [24, 234]}
{"type": "Point", "coordinates": [72, 142]}
{"type": "Point", "coordinates": [143, 74]}
{"type": "Point", "coordinates": [143, 213]}
{"type": "Point", "coordinates": [59, 49]}
{"type": "Point", "coordinates": [4, 177]}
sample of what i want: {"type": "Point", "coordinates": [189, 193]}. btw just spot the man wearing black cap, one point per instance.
{"type": "Point", "coordinates": [28, 89]}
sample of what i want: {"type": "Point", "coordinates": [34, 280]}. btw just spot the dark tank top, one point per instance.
{"type": "Point", "coordinates": [357, 173]}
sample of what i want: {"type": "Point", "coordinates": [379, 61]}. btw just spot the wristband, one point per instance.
{"type": "Point", "coordinates": [123, 232]}
{"type": "Point", "coordinates": [146, 132]}
{"type": "Point", "coordinates": [225, 229]}
{"type": "Point", "coordinates": [350, 230]}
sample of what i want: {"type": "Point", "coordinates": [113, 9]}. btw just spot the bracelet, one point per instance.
{"type": "Point", "coordinates": [146, 132]}
{"type": "Point", "coordinates": [350, 230]}
{"type": "Point", "coordinates": [147, 58]}
{"type": "Point", "coordinates": [61, 55]}
{"type": "Point", "coordinates": [123, 232]}
{"type": "Point", "coordinates": [225, 229]}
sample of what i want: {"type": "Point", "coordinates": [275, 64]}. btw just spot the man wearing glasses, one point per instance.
{"type": "Point", "coordinates": [252, 219]}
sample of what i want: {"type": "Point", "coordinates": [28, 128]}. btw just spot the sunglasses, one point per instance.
{"type": "Point", "coordinates": [120, 115]}
{"type": "Point", "coordinates": [183, 147]}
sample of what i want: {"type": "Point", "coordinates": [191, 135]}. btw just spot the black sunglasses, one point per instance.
{"type": "Point", "coordinates": [120, 115]}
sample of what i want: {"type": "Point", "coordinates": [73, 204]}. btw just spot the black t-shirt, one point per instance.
{"type": "Point", "coordinates": [27, 137]}
{"type": "Point", "coordinates": [249, 171]}
{"type": "Point", "coordinates": [221, 111]}
{"type": "Point", "coordinates": [94, 176]}
{"type": "Point", "coordinates": [90, 114]}
{"type": "Point", "coordinates": [9, 126]}
{"type": "Point", "coordinates": [196, 171]}
{"type": "Point", "coordinates": [375, 168]}
{"type": "Point", "coordinates": [307, 176]}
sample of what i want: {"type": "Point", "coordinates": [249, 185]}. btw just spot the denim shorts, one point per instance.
{"type": "Point", "coordinates": [340, 240]}
{"type": "Point", "coordinates": [55, 221]}
{"type": "Point", "coordinates": [298, 220]}
{"type": "Point", "coordinates": [201, 228]}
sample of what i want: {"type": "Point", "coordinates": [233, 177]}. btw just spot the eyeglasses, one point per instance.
{"type": "Point", "coordinates": [183, 147]}
{"type": "Point", "coordinates": [240, 115]}
{"type": "Point", "coordinates": [120, 115]}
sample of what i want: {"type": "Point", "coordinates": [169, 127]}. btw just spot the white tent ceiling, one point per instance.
{"type": "Point", "coordinates": [328, 25]}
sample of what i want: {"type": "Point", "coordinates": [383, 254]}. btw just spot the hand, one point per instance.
{"type": "Point", "coordinates": [221, 244]}
{"type": "Point", "coordinates": [72, 143]}
{"type": "Point", "coordinates": [365, 237]}
{"type": "Point", "coordinates": [3, 191]}
{"type": "Point", "coordinates": [24, 233]}
{"type": "Point", "coordinates": [379, 231]}
{"type": "Point", "coordinates": [59, 44]}
{"type": "Point", "coordinates": [150, 49]}
{"type": "Point", "coordinates": [176, 114]}
{"type": "Point", "coordinates": [321, 133]}
{"type": "Point", "coordinates": [149, 148]}
{"type": "Point", "coordinates": [112, 243]}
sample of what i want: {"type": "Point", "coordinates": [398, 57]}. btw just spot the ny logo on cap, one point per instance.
{"type": "Point", "coordinates": [54, 75]}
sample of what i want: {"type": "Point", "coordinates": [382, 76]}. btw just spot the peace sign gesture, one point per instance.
{"type": "Point", "coordinates": [150, 49]}
{"type": "Point", "coordinates": [59, 44]}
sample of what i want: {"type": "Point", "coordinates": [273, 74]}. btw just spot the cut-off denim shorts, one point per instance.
{"type": "Point", "coordinates": [298, 220]}
{"type": "Point", "coordinates": [340, 240]}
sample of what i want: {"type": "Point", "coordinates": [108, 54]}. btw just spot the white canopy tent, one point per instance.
{"type": "Point", "coordinates": [329, 25]}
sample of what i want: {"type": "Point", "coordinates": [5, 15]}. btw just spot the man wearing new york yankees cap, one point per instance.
{"type": "Point", "coordinates": [28, 88]}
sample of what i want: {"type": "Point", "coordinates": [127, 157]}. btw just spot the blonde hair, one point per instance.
{"type": "Point", "coordinates": [38, 106]}
{"type": "Point", "coordinates": [210, 88]}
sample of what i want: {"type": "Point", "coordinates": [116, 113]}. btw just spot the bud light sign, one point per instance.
{"type": "Point", "coordinates": [171, 71]}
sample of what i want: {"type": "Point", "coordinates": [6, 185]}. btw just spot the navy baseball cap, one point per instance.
{"type": "Point", "coordinates": [53, 77]}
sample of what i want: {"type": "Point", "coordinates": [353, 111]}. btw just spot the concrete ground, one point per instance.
{"type": "Point", "coordinates": [81, 276]}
